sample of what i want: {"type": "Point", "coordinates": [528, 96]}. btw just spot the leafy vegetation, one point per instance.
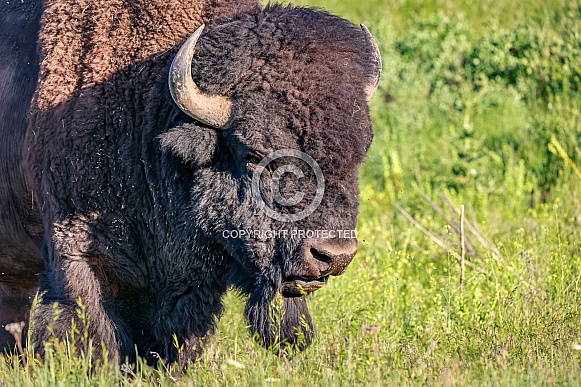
{"type": "Point", "coordinates": [478, 107]}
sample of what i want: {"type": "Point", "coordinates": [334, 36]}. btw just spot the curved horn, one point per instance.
{"type": "Point", "coordinates": [376, 62]}
{"type": "Point", "coordinates": [213, 110]}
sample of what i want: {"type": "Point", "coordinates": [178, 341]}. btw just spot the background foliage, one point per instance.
{"type": "Point", "coordinates": [479, 106]}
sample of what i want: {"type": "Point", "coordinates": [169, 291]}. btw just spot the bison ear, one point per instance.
{"type": "Point", "coordinates": [194, 144]}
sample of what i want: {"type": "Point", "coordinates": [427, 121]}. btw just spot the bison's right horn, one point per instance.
{"type": "Point", "coordinates": [213, 110]}
{"type": "Point", "coordinates": [375, 61]}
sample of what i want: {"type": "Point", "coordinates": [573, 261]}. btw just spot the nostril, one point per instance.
{"type": "Point", "coordinates": [330, 259]}
{"type": "Point", "coordinates": [324, 260]}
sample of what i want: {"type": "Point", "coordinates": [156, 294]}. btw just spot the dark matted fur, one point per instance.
{"type": "Point", "coordinates": [135, 196]}
{"type": "Point", "coordinates": [20, 226]}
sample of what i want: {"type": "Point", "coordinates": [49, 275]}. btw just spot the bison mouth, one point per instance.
{"type": "Point", "coordinates": [294, 286]}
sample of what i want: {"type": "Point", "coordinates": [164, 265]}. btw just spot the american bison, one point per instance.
{"type": "Point", "coordinates": [146, 199]}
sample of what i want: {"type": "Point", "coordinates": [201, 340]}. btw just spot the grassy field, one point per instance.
{"type": "Point", "coordinates": [479, 108]}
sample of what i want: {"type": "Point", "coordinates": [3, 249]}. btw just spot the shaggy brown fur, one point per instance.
{"type": "Point", "coordinates": [85, 42]}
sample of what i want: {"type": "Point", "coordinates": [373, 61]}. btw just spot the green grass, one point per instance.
{"type": "Point", "coordinates": [479, 105]}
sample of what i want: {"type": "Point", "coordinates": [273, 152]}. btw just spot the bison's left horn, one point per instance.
{"type": "Point", "coordinates": [375, 61]}
{"type": "Point", "coordinates": [213, 110]}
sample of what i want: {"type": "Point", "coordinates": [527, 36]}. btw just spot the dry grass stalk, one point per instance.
{"type": "Point", "coordinates": [475, 231]}
{"type": "Point", "coordinates": [469, 247]}
{"type": "Point", "coordinates": [463, 250]}
{"type": "Point", "coordinates": [471, 228]}
{"type": "Point", "coordinates": [435, 239]}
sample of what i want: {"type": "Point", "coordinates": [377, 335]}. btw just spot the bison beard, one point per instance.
{"type": "Point", "coordinates": [288, 324]}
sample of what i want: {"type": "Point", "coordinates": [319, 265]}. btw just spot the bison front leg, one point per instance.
{"type": "Point", "coordinates": [73, 302]}
{"type": "Point", "coordinates": [65, 321]}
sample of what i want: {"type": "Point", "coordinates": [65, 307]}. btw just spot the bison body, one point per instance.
{"type": "Point", "coordinates": [20, 226]}
{"type": "Point", "coordinates": [138, 186]}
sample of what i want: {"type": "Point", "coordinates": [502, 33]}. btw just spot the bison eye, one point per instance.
{"type": "Point", "coordinates": [252, 160]}
{"type": "Point", "coordinates": [255, 167]}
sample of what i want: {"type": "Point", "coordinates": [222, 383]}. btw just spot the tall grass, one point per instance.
{"type": "Point", "coordinates": [479, 105]}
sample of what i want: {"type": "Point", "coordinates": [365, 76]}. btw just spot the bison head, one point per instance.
{"type": "Point", "coordinates": [280, 129]}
